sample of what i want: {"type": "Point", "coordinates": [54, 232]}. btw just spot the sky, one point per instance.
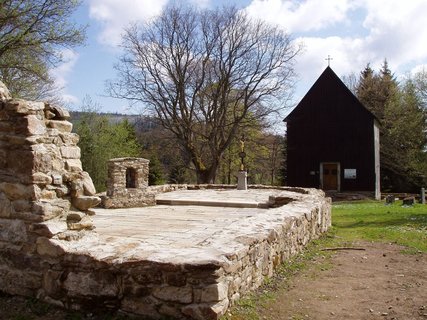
{"type": "Point", "coordinates": [352, 32]}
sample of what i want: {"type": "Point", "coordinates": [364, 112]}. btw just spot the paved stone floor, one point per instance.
{"type": "Point", "coordinates": [187, 233]}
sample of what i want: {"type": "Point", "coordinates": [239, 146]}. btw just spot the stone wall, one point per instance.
{"type": "Point", "coordinates": [44, 193]}
{"type": "Point", "coordinates": [127, 184]}
{"type": "Point", "coordinates": [94, 275]}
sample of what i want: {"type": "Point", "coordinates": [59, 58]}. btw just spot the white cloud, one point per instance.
{"type": "Point", "coordinates": [300, 16]}
{"type": "Point", "coordinates": [61, 72]}
{"type": "Point", "coordinates": [115, 15]}
{"type": "Point", "coordinates": [353, 32]}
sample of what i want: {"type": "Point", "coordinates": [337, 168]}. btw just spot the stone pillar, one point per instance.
{"type": "Point", "coordinates": [423, 196]}
{"type": "Point", "coordinates": [242, 180]}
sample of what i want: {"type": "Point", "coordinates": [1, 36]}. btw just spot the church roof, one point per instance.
{"type": "Point", "coordinates": [327, 80]}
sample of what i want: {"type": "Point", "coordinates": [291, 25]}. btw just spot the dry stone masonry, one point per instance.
{"type": "Point", "coordinates": [44, 193]}
{"type": "Point", "coordinates": [202, 261]}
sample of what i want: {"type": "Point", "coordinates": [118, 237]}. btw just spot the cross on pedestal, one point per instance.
{"type": "Point", "coordinates": [329, 60]}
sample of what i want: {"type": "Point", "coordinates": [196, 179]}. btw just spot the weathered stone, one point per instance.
{"type": "Point", "coordinates": [59, 112]}
{"type": "Point", "coordinates": [4, 92]}
{"type": "Point", "coordinates": [206, 311]}
{"type": "Point", "coordinates": [49, 114]}
{"type": "Point", "coordinates": [19, 282]}
{"type": "Point", "coordinates": [70, 139]}
{"type": "Point", "coordinates": [49, 228]}
{"type": "Point", "coordinates": [215, 292]}
{"type": "Point", "coordinates": [6, 207]}
{"type": "Point", "coordinates": [101, 283]}
{"type": "Point", "coordinates": [13, 230]}
{"type": "Point", "coordinates": [73, 165]}
{"type": "Point", "coordinates": [47, 194]}
{"type": "Point", "coordinates": [41, 178]}
{"type": "Point", "coordinates": [34, 125]}
{"type": "Point", "coordinates": [46, 247]}
{"type": "Point", "coordinates": [50, 209]}
{"type": "Point", "coordinates": [52, 283]}
{"type": "Point", "coordinates": [24, 107]}
{"type": "Point", "coordinates": [75, 216]}
{"type": "Point", "coordinates": [86, 223]}
{"type": "Point", "coordinates": [70, 152]}
{"type": "Point", "coordinates": [56, 179]}
{"type": "Point", "coordinates": [138, 305]}
{"type": "Point", "coordinates": [16, 191]}
{"type": "Point", "coordinates": [84, 203]}
{"type": "Point", "coordinates": [62, 126]}
{"type": "Point", "coordinates": [175, 294]}
{"type": "Point", "coordinates": [88, 186]}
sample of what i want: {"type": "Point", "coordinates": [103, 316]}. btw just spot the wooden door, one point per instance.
{"type": "Point", "coordinates": [330, 176]}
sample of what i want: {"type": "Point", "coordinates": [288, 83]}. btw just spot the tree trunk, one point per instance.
{"type": "Point", "coordinates": [207, 176]}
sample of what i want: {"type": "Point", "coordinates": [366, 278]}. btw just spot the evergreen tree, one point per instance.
{"type": "Point", "coordinates": [101, 141]}
{"type": "Point", "coordinates": [402, 118]}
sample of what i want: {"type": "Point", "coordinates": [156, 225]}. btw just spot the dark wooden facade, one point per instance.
{"type": "Point", "coordinates": [332, 140]}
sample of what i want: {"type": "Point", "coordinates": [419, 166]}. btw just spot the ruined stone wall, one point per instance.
{"type": "Point", "coordinates": [127, 184]}
{"type": "Point", "coordinates": [202, 289]}
{"type": "Point", "coordinates": [44, 193]}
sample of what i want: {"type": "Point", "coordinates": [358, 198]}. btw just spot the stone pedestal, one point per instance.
{"type": "Point", "coordinates": [242, 180]}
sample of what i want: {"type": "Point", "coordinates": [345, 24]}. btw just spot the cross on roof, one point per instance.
{"type": "Point", "coordinates": [329, 59]}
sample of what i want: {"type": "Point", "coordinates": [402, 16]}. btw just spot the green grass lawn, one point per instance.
{"type": "Point", "coordinates": [375, 221]}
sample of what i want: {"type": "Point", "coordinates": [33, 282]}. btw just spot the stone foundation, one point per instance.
{"type": "Point", "coordinates": [49, 250]}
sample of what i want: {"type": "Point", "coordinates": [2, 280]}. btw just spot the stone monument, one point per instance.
{"type": "Point", "coordinates": [242, 175]}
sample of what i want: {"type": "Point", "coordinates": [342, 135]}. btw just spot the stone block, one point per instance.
{"type": "Point", "coordinates": [86, 223]}
{"type": "Point", "coordinates": [215, 292]}
{"type": "Point", "coordinates": [60, 113]}
{"type": "Point", "coordinates": [52, 283]}
{"type": "Point", "coordinates": [46, 247]}
{"type": "Point", "coordinates": [75, 216]}
{"type": "Point", "coordinates": [4, 92]}
{"type": "Point", "coordinates": [6, 207]}
{"type": "Point", "coordinates": [18, 282]}
{"type": "Point", "coordinates": [41, 178]}
{"type": "Point", "coordinates": [142, 306]}
{"type": "Point", "coordinates": [23, 107]}
{"type": "Point", "coordinates": [95, 283]}
{"type": "Point", "coordinates": [49, 228]}
{"type": "Point", "coordinates": [18, 191]}
{"type": "Point", "coordinates": [84, 203]}
{"type": "Point", "coordinates": [69, 138]}
{"type": "Point", "coordinates": [12, 230]}
{"type": "Point", "coordinates": [73, 165]}
{"type": "Point", "coordinates": [50, 209]}
{"type": "Point", "coordinates": [206, 311]}
{"type": "Point", "coordinates": [35, 126]}
{"type": "Point", "coordinates": [88, 186]}
{"type": "Point", "coordinates": [70, 152]}
{"type": "Point", "coordinates": [61, 125]}
{"type": "Point", "coordinates": [174, 294]}
{"type": "Point", "coordinates": [25, 164]}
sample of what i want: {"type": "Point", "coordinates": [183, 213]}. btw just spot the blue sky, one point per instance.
{"type": "Point", "coordinates": [352, 32]}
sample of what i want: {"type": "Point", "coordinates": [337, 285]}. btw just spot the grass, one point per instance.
{"type": "Point", "coordinates": [351, 222]}
{"type": "Point", "coordinates": [375, 221]}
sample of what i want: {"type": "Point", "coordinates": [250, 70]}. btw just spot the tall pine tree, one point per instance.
{"type": "Point", "coordinates": [402, 118]}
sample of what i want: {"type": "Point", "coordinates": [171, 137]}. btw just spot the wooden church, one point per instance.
{"type": "Point", "coordinates": [333, 140]}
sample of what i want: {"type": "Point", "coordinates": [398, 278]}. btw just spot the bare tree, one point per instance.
{"type": "Point", "coordinates": [202, 73]}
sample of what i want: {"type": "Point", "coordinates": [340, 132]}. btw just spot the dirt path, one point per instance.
{"type": "Point", "coordinates": [378, 283]}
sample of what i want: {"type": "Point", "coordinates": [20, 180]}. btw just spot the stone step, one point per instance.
{"type": "Point", "coordinates": [211, 203]}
